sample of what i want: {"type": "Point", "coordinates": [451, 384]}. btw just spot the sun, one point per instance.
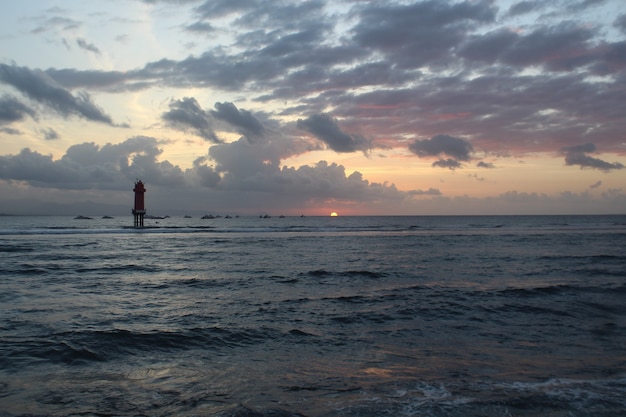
{"type": "Point", "coordinates": [334, 214]}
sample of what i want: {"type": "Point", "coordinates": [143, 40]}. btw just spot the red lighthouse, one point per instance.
{"type": "Point", "coordinates": [139, 211]}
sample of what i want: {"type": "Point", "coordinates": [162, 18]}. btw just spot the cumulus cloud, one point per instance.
{"type": "Point", "coordinates": [232, 176]}
{"type": "Point", "coordinates": [187, 115]}
{"type": "Point", "coordinates": [39, 87]}
{"type": "Point", "coordinates": [577, 155]}
{"type": "Point", "coordinates": [457, 148]}
{"type": "Point", "coordinates": [88, 165]}
{"type": "Point", "coordinates": [326, 129]}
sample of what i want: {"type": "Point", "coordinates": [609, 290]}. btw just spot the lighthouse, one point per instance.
{"type": "Point", "coordinates": [140, 210]}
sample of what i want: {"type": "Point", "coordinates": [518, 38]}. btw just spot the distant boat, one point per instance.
{"type": "Point", "coordinates": [82, 218]}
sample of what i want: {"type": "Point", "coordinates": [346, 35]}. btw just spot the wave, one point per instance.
{"type": "Point", "coordinates": [78, 347]}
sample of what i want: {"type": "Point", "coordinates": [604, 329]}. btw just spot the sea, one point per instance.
{"type": "Point", "coordinates": [313, 316]}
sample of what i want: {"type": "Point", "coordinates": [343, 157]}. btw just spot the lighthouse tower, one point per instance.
{"type": "Point", "coordinates": [139, 211]}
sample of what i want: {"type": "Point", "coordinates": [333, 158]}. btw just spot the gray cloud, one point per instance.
{"type": "Point", "coordinates": [12, 110]}
{"type": "Point", "coordinates": [457, 148]}
{"type": "Point", "coordinates": [83, 44]}
{"type": "Point", "coordinates": [577, 155]}
{"type": "Point", "coordinates": [562, 47]}
{"type": "Point", "coordinates": [447, 163]}
{"type": "Point", "coordinates": [327, 130]}
{"type": "Point", "coordinates": [419, 33]}
{"type": "Point", "coordinates": [487, 165]}
{"type": "Point", "coordinates": [524, 7]}
{"type": "Point", "coordinates": [86, 165]}
{"type": "Point", "coordinates": [49, 134]}
{"type": "Point", "coordinates": [200, 27]}
{"type": "Point", "coordinates": [620, 23]}
{"type": "Point", "coordinates": [187, 115]}
{"type": "Point", "coordinates": [9, 130]}
{"type": "Point", "coordinates": [244, 121]}
{"type": "Point", "coordinates": [41, 88]}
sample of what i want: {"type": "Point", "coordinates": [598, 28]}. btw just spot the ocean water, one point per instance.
{"type": "Point", "coordinates": [313, 316]}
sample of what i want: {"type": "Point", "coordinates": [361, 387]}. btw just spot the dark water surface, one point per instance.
{"type": "Point", "coordinates": [346, 316]}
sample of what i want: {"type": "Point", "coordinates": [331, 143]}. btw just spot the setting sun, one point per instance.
{"type": "Point", "coordinates": [334, 214]}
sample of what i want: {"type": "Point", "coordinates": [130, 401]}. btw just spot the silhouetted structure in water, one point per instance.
{"type": "Point", "coordinates": [139, 211]}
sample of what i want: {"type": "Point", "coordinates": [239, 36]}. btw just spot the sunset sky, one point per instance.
{"type": "Point", "coordinates": [311, 107]}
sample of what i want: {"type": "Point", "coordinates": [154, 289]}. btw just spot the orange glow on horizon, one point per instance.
{"type": "Point", "coordinates": [334, 214]}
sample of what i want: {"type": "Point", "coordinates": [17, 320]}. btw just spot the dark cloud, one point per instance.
{"type": "Point", "coordinates": [187, 115]}
{"type": "Point", "coordinates": [244, 121]}
{"type": "Point", "coordinates": [430, 191]}
{"type": "Point", "coordinates": [577, 155]}
{"type": "Point", "coordinates": [584, 4]}
{"type": "Point", "coordinates": [597, 184]}
{"type": "Point", "coordinates": [83, 44]}
{"type": "Point", "coordinates": [116, 81]}
{"type": "Point", "coordinates": [524, 7]}
{"type": "Point", "coordinates": [9, 130]}
{"type": "Point", "coordinates": [456, 148]}
{"type": "Point", "coordinates": [12, 110]}
{"type": "Point", "coordinates": [86, 165]}
{"type": "Point", "coordinates": [419, 33]}
{"type": "Point", "coordinates": [221, 8]}
{"type": "Point", "coordinates": [49, 134]}
{"type": "Point", "coordinates": [620, 23]}
{"type": "Point", "coordinates": [447, 163]}
{"type": "Point", "coordinates": [326, 129]}
{"type": "Point", "coordinates": [200, 27]}
{"type": "Point", "coordinates": [560, 48]}
{"type": "Point", "coordinates": [41, 88]}
{"type": "Point", "coordinates": [487, 165]}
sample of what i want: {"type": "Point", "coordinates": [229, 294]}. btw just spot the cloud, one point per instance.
{"type": "Point", "coordinates": [12, 110]}
{"type": "Point", "coordinates": [87, 46]}
{"type": "Point", "coordinates": [326, 129]}
{"type": "Point", "coordinates": [559, 48]}
{"type": "Point", "coordinates": [597, 184]}
{"type": "Point", "coordinates": [243, 120]}
{"type": "Point", "coordinates": [187, 115]}
{"type": "Point", "coordinates": [88, 165]}
{"type": "Point", "coordinates": [10, 131]}
{"type": "Point", "coordinates": [577, 155]}
{"type": "Point", "coordinates": [447, 163]}
{"type": "Point", "coordinates": [487, 165]}
{"type": "Point", "coordinates": [620, 23]}
{"type": "Point", "coordinates": [420, 33]}
{"type": "Point", "coordinates": [41, 88]}
{"type": "Point", "coordinates": [454, 147]}
{"type": "Point", "coordinates": [200, 27]}
{"type": "Point", "coordinates": [239, 175]}
{"type": "Point", "coordinates": [57, 22]}
{"type": "Point", "coordinates": [50, 134]}
{"type": "Point", "coordinates": [524, 7]}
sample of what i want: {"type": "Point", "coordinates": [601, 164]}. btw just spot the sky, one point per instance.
{"type": "Point", "coordinates": [292, 107]}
